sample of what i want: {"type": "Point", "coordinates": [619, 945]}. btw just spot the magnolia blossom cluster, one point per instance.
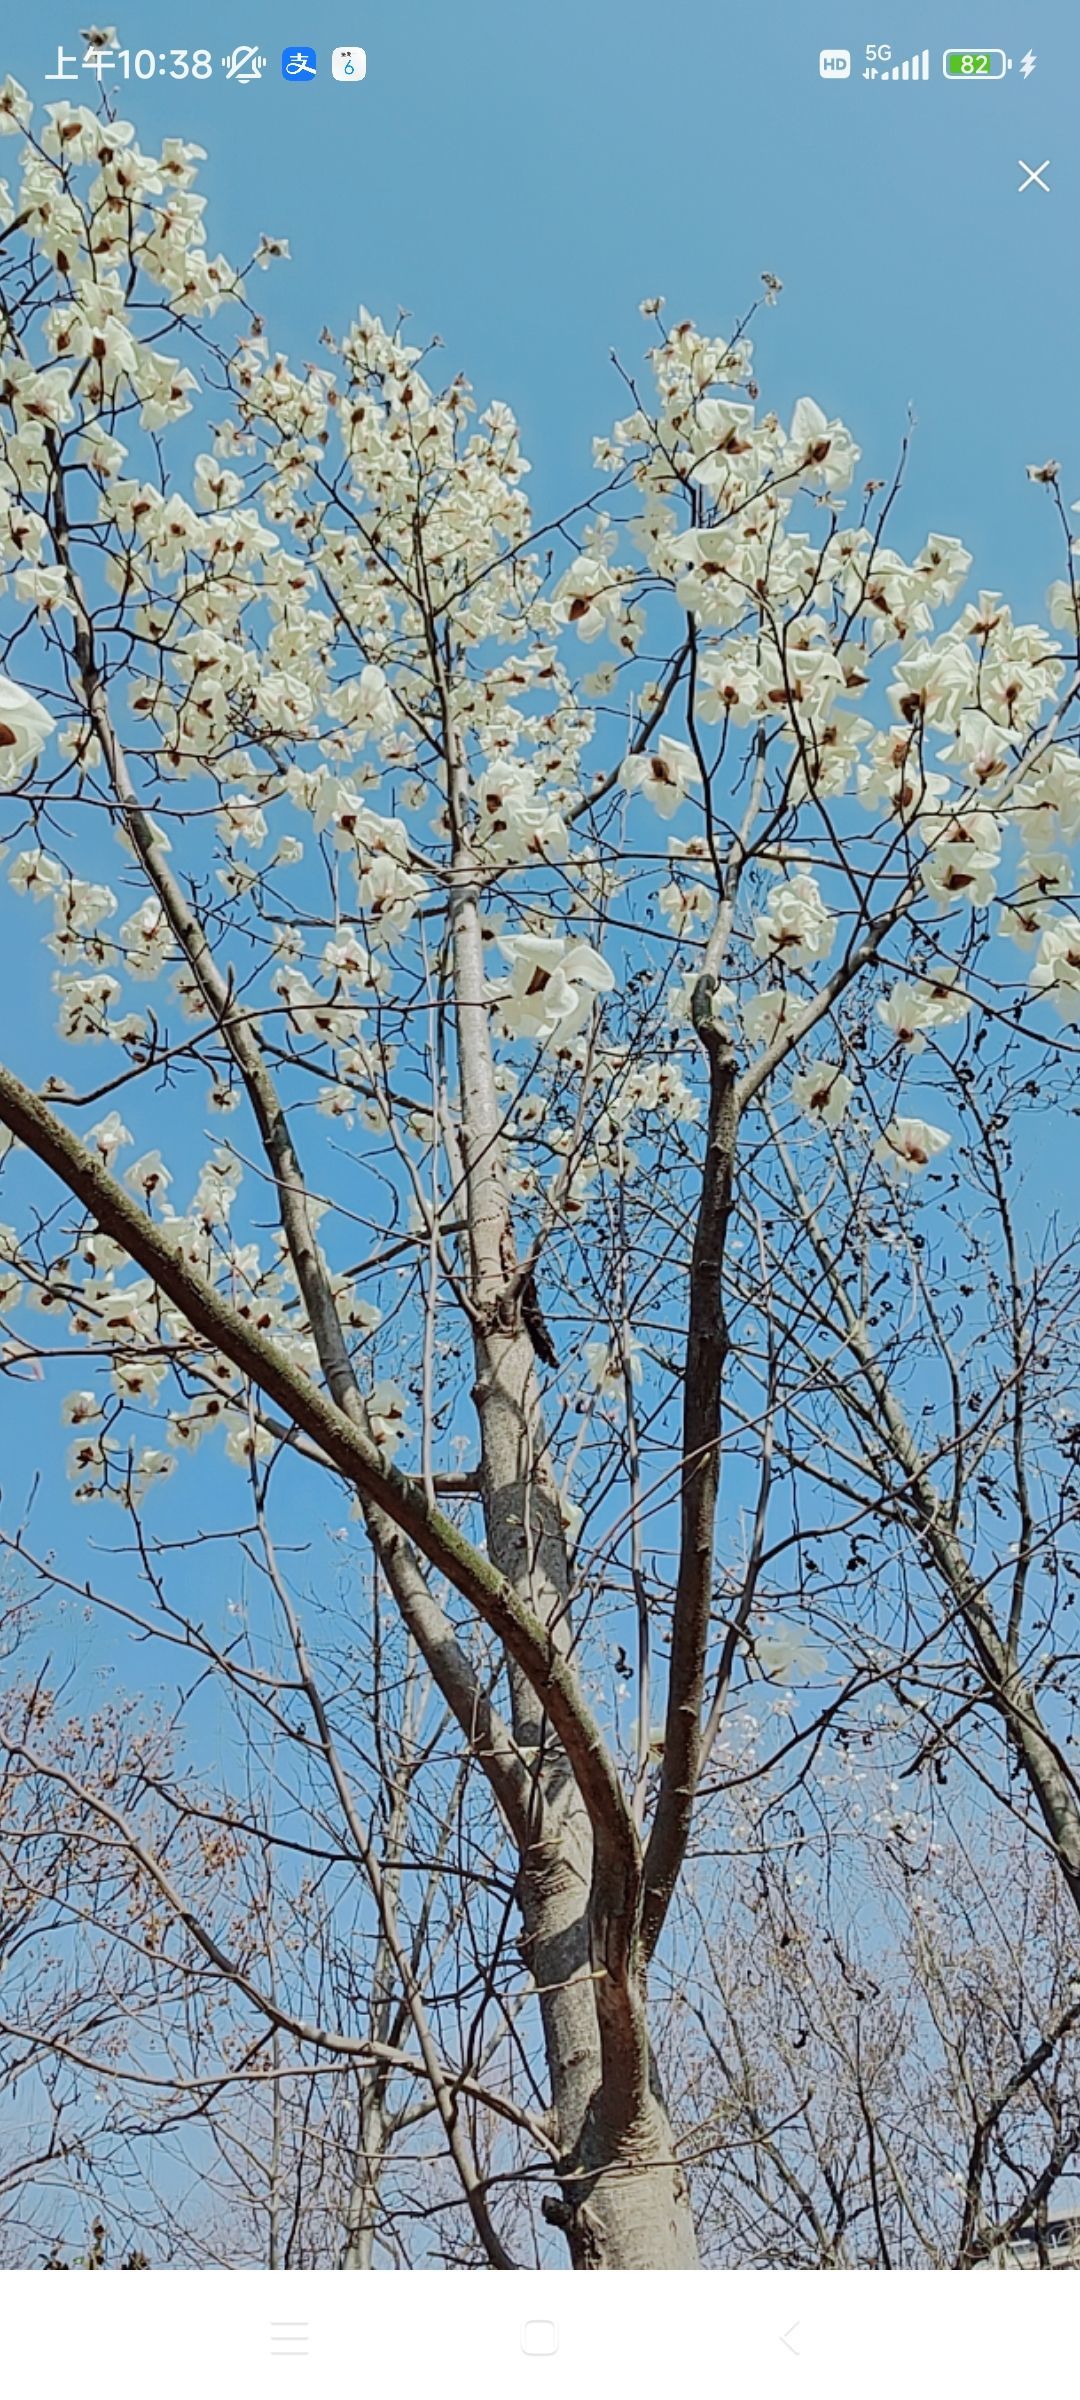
{"type": "Point", "coordinates": [341, 674]}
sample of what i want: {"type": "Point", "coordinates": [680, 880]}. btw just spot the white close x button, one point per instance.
{"type": "Point", "coordinates": [1033, 175]}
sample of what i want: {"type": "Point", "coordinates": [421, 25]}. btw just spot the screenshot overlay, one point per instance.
{"type": "Point", "coordinates": [539, 1325]}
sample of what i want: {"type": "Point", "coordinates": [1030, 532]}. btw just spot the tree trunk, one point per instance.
{"type": "Point", "coordinates": [623, 2199]}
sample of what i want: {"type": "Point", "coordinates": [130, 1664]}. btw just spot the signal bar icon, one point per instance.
{"type": "Point", "coordinates": [910, 70]}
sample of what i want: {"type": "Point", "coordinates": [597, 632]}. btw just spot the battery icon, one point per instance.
{"type": "Point", "coordinates": [974, 66]}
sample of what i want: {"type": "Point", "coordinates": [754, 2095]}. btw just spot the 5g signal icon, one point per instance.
{"type": "Point", "coordinates": [910, 70]}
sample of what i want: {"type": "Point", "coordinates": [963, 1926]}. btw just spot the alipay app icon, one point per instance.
{"type": "Point", "coordinates": [297, 64]}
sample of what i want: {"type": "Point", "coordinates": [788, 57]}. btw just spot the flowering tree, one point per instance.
{"type": "Point", "coordinates": [512, 1091]}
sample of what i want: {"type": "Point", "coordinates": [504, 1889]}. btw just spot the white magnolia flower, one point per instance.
{"type": "Point", "coordinates": [151, 1466]}
{"type": "Point", "coordinates": [84, 1006]}
{"type": "Point", "coordinates": [1063, 601]}
{"type": "Point", "coordinates": [35, 872]}
{"type": "Point", "coordinates": [732, 684]}
{"type": "Point", "coordinates": [823, 1092]}
{"type": "Point", "coordinates": [109, 1137]}
{"type": "Point", "coordinates": [941, 991]}
{"type": "Point", "coordinates": [386, 1415]}
{"type": "Point", "coordinates": [16, 109]}
{"type": "Point", "coordinates": [148, 1175]}
{"type": "Point", "coordinates": [338, 1100]}
{"type": "Point", "coordinates": [245, 1442]}
{"type": "Point", "coordinates": [911, 1010]}
{"type": "Point", "coordinates": [1048, 802]}
{"type": "Point", "coordinates": [217, 1188]}
{"type": "Point", "coordinates": [553, 984]}
{"type": "Point", "coordinates": [186, 1431]}
{"type": "Point", "coordinates": [822, 445]}
{"type": "Point", "coordinates": [664, 775]}
{"type": "Point", "coordinates": [769, 1013]}
{"type": "Point", "coordinates": [242, 820]}
{"type": "Point", "coordinates": [147, 940]}
{"type": "Point", "coordinates": [588, 599]}
{"type": "Point", "coordinates": [686, 907]}
{"type": "Point", "coordinates": [605, 1366]}
{"type": "Point", "coordinates": [963, 857]}
{"type": "Point", "coordinates": [907, 1010]}
{"type": "Point", "coordinates": [389, 895]}
{"type": "Point", "coordinates": [1040, 880]}
{"type": "Point", "coordinates": [933, 681]}
{"type": "Point", "coordinates": [163, 388]}
{"type": "Point", "coordinates": [515, 821]}
{"type": "Point", "coordinates": [82, 907]}
{"type": "Point", "coordinates": [138, 1378]}
{"type": "Point", "coordinates": [25, 727]}
{"type": "Point", "coordinates": [796, 925]}
{"type": "Point", "coordinates": [215, 486]}
{"type": "Point", "coordinates": [787, 1653]}
{"type": "Point", "coordinates": [713, 566]}
{"type": "Point", "coordinates": [44, 589]}
{"type": "Point", "coordinates": [908, 1144]}
{"type": "Point", "coordinates": [1057, 969]}
{"type": "Point", "coordinates": [87, 1465]}
{"type": "Point", "coordinates": [943, 564]}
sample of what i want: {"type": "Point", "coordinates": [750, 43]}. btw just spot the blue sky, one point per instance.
{"type": "Point", "coordinates": [519, 179]}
